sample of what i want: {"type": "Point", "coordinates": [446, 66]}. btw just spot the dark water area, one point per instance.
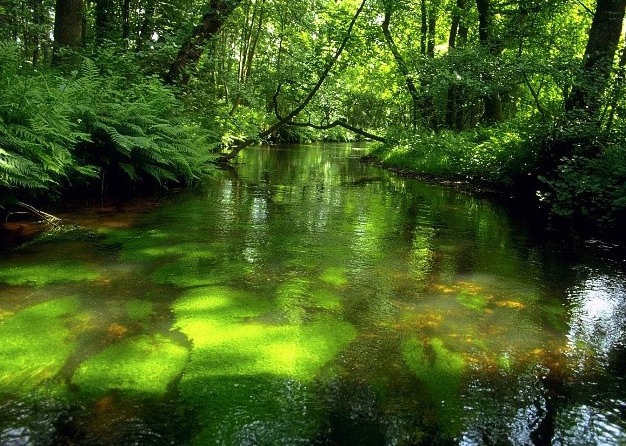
{"type": "Point", "coordinates": [306, 298]}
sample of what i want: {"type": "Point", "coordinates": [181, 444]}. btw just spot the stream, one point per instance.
{"type": "Point", "coordinates": [307, 298]}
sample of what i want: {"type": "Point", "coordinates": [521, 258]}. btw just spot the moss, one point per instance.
{"type": "Point", "coordinates": [141, 365]}
{"type": "Point", "coordinates": [230, 336]}
{"type": "Point", "coordinates": [243, 357]}
{"type": "Point", "coordinates": [334, 276]}
{"type": "Point", "coordinates": [40, 274]}
{"type": "Point", "coordinates": [440, 369]}
{"type": "Point", "coordinates": [36, 342]}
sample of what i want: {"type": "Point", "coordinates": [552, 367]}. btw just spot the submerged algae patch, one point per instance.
{"type": "Point", "coordinates": [472, 301]}
{"type": "Point", "coordinates": [441, 370]}
{"type": "Point", "coordinates": [334, 276]}
{"type": "Point", "coordinates": [141, 365]}
{"type": "Point", "coordinates": [230, 336]}
{"type": "Point", "coordinates": [139, 309]}
{"type": "Point", "coordinates": [47, 272]}
{"type": "Point", "coordinates": [36, 342]}
{"type": "Point", "coordinates": [248, 371]}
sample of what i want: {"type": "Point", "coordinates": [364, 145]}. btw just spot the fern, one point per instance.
{"type": "Point", "coordinates": [56, 131]}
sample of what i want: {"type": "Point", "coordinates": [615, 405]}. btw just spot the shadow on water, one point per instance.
{"type": "Point", "coordinates": [305, 298]}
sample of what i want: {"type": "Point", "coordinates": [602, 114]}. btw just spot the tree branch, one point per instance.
{"type": "Point", "coordinates": [339, 123]}
{"type": "Point", "coordinates": [286, 119]}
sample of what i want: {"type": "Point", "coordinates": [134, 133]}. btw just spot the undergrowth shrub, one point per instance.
{"type": "Point", "coordinates": [588, 183]}
{"type": "Point", "coordinates": [489, 155]}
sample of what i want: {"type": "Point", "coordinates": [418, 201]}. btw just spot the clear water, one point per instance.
{"type": "Point", "coordinates": [305, 298]}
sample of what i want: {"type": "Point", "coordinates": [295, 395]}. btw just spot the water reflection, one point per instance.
{"type": "Point", "coordinates": [598, 314]}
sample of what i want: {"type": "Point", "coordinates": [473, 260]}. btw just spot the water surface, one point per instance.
{"type": "Point", "coordinates": [305, 298]}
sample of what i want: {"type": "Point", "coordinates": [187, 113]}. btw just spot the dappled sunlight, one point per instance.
{"type": "Point", "coordinates": [598, 315]}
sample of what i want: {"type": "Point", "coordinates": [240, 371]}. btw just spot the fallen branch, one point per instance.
{"type": "Point", "coordinates": [48, 218]}
{"type": "Point", "coordinates": [339, 123]}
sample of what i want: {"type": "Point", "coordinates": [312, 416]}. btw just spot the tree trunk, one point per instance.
{"type": "Point", "coordinates": [192, 48]}
{"type": "Point", "coordinates": [68, 27]}
{"type": "Point", "coordinates": [105, 20]}
{"type": "Point", "coordinates": [424, 28]}
{"type": "Point", "coordinates": [618, 89]}
{"type": "Point", "coordinates": [593, 78]}
{"type": "Point", "coordinates": [144, 30]}
{"type": "Point", "coordinates": [457, 37]}
{"type": "Point", "coordinates": [492, 112]}
{"type": "Point", "coordinates": [125, 20]}
{"type": "Point", "coordinates": [432, 30]}
{"type": "Point", "coordinates": [39, 36]}
{"type": "Point", "coordinates": [456, 26]}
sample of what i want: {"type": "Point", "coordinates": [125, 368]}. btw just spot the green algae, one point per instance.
{"type": "Point", "coordinates": [229, 333]}
{"type": "Point", "coordinates": [139, 309]}
{"type": "Point", "coordinates": [144, 365]}
{"type": "Point", "coordinates": [334, 276]}
{"type": "Point", "coordinates": [472, 301]}
{"type": "Point", "coordinates": [440, 369]}
{"type": "Point", "coordinates": [242, 356]}
{"type": "Point", "coordinates": [36, 342]}
{"type": "Point", "coordinates": [47, 272]}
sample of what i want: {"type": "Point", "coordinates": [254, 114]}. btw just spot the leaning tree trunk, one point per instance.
{"type": "Point", "coordinates": [595, 72]}
{"type": "Point", "coordinates": [191, 50]}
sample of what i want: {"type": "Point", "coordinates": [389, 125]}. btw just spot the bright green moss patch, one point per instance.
{"type": "Point", "coordinates": [47, 272]}
{"type": "Point", "coordinates": [334, 276]}
{"type": "Point", "coordinates": [234, 334]}
{"type": "Point", "coordinates": [240, 347]}
{"type": "Point", "coordinates": [35, 343]}
{"type": "Point", "coordinates": [141, 365]}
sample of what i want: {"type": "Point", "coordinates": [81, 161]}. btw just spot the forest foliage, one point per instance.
{"type": "Point", "coordinates": [101, 96]}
